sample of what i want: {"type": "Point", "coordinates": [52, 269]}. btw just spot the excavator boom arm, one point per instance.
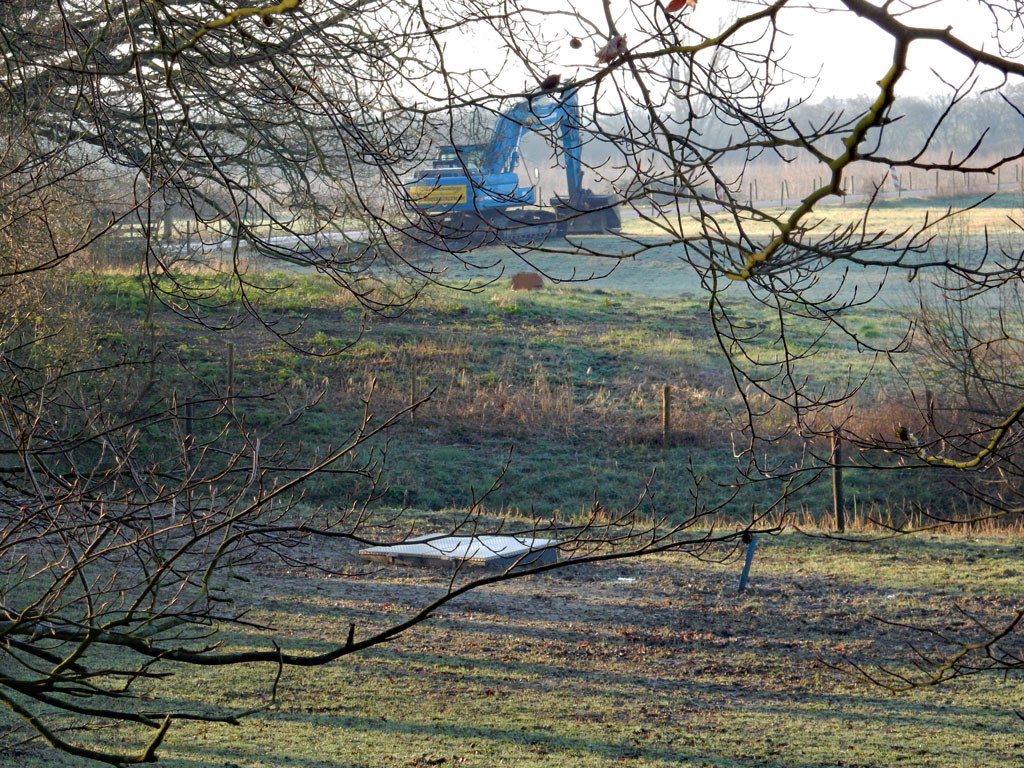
{"type": "Point", "coordinates": [502, 152]}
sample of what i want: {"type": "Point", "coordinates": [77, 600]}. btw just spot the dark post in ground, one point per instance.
{"type": "Point", "coordinates": [666, 413]}
{"type": "Point", "coordinates": [751, 542]}
{"type": "Point", "coordinates": [411, 357]}
{"type": "Point", "coordinates": [838, 503]}
{"type": "Point", "coordinates": [190, 439]}
{"type": "Point", "coordinates": [231, 371]}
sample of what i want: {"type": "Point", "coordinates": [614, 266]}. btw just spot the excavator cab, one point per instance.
{"type": "Point", "coordinates": [460, 157]}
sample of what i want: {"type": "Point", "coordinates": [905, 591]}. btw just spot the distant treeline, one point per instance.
{"type": "Point", "coordinates": [930, 129]}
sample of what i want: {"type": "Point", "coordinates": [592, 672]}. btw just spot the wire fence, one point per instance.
{"type": "Point", "coordinates": [788, 185]}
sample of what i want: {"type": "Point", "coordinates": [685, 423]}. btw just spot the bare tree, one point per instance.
{"type": "Point", "coordinates": [288, 131]}
{"type": "Point", "coordinates": [130, 509]}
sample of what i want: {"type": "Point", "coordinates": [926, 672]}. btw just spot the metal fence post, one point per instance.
{"type": "Point", "coordinates": [750, 559]}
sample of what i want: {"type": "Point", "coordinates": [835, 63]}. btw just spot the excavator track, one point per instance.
{"type": "Point", "coordinates": [460, 232]}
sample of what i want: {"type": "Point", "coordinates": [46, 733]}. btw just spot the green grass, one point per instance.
{"type": "Point", "coordinates": [657, 662]}
{"type": "Point", "coordinates": [570, 382]}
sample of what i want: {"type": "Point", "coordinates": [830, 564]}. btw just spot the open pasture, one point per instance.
{"type": "Point", "coordinates": [654, 662]}
{"type": "Point", "coordinates": [657, 662]}
{"type": "Point", "coordinates": [567, 378]}
{"type": "Point", "coordinates": [660, 272]}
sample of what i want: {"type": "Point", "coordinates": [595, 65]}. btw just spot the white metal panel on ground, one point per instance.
{"type": "Point", "coordinates": [472, 550]}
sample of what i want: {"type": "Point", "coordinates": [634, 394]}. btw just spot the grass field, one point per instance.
{"type": "Point", "coordinates": [660, 271]}
{"type": "Point", "coordinates": [654, 662]}
{"type": "Point", "coordinates": [995, 212]}
{"type": "Point", "coordinates": [567, 378]}
{"type": "Point", "coordinates": [657, 662]}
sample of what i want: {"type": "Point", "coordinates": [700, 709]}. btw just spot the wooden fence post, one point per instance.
{"type": "Point", "coordinates": [666, 413]}
{"type": "Point", "coordinates": [189, 433]}
{"type": "Point", "coordinates": [412, 383]}
{"type": "Point", "coordinates": [838, 503]}
{"type": "Point", "coordinates": [151, 328]}
{"type": "Point", "coordinates": [231, 371]}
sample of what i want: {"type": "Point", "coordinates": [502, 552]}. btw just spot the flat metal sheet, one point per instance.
{"type": "Point", "coordinates": [474, 550]}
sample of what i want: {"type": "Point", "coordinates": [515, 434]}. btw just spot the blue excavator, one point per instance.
{"type": "Point", "coordinates": [470, 196]}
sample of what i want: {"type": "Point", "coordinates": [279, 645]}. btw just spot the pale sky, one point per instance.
{"type": "Point", "coordinates": [850, 53]}
{"type": "Point", "coordinates": [854, 54]}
